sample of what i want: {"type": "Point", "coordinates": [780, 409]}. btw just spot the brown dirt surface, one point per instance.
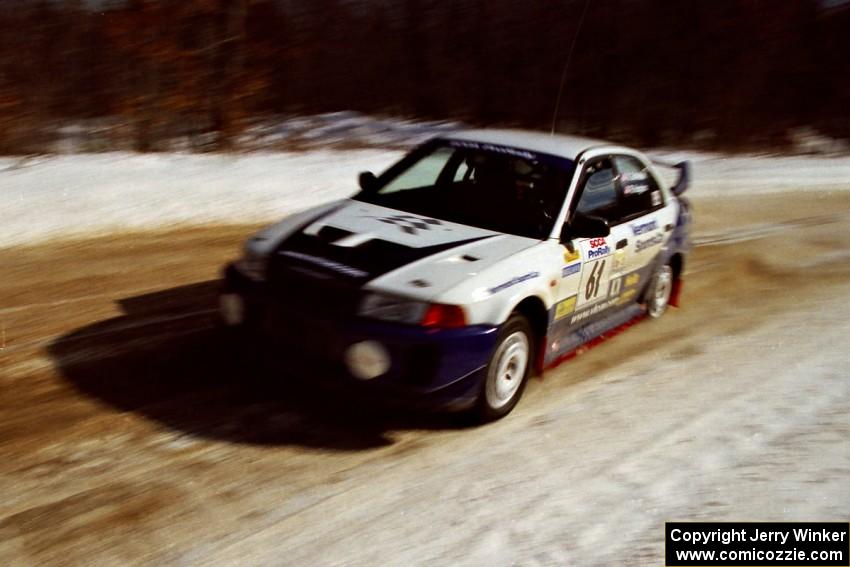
{"type": "Point", "coordinates": [129, 434]}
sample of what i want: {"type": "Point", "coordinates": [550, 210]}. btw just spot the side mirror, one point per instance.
{"type": "Point", "coordinates": [585, 226]}
{"type": "Point", "coordinates": [367, 180]}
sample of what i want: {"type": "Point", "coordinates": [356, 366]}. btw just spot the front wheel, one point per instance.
{"type": "Point", "coordinates": [660, 288]}
{"type": "Point", "coordinates": [508, 370]}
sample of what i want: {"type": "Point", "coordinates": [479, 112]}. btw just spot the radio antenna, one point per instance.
{"type": "Point", "coordinates": [567, 66]}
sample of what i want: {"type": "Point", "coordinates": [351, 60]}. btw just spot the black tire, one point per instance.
{"type": "Point", "coordinates": [515, 336]}
{"type": "Point", "coordinates": [659, 290]}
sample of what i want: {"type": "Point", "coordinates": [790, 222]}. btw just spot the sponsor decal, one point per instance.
{"type": "Point", "coordinates": [644, 227]}
{"type": "Point", "coordinates": [626, 296]}
{"type": "Point", "coordinates": [565, 307]}
{"type": "Point", "coordinates": [514, 281]}
{"type": "Point", "coordinates": [571, 269]}
{"type": "Point", "coordinates": [632, 279]}
{"type": "Point", "coordinates": [630, 176]}
{"type": "Point", "coordinates": [649, 242]}
{"type": "Point", "coordinates": [635, 189]}
{"type": "Point", "coordinates": [325, 263]}
{"type": "Point", "coordinates": [598, 308]}
{"type": "Point", "coordinates": [619, 260]}
{"type": "Point", "coordinates": [598, 247]}
{"type": "Point", "coordinates": [616, 285]}
{"type": "Point", "coordinates": [634, 183]}
{"type": "Point", "coordinates": [571, 256]}
{"type": "Point", "coordinates": [492, 148]}
{"type": "Point", "coordinates": [409, 223]}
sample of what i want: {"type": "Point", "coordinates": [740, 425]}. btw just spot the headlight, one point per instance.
{"type": "Point", "coordinates": [252, 265]}
{"type": "Point", "coordinates": [395, 309]}
{"type": "Point", "coordinates": [412, 312]}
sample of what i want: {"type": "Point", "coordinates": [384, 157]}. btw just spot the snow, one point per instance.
{"type": "Point", "coordinates": [715, 174]}
{"type": "Point", "coordinates": [100, 193]}
{"type": "Point", "coordinates": [82, 194]}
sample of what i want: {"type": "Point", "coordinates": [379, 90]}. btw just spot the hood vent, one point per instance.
{"type": "Point", "coordinates": [372, 258]}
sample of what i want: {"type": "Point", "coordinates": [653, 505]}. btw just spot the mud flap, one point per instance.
{"type": "Point", "coordinates": [674, 294]}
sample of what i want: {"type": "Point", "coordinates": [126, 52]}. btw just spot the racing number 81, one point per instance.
{"type": "Point", "coordinates": [592, 288]}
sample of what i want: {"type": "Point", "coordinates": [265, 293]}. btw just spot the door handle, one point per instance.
{"type": "Point", "coordinates": [622, 243]}
{"type": "Point", "coordinates": [668, 228]}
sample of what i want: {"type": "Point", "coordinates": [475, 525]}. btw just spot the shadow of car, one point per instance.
{"type": "Point", "coordinates": [167, 359]}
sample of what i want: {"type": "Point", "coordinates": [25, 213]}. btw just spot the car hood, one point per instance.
{"type": "Point", "coordinates": [377, 248]}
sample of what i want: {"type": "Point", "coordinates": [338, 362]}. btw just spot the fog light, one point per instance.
{"type": "Point", "coordinates": [367, 360]}
{"type": "Point", "coordinates": [232, 308]}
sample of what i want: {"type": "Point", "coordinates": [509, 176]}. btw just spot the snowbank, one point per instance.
{"type": "Point", "coordinates": [714, 174]}
{"type": "Point", "coordinates": [97, 193]}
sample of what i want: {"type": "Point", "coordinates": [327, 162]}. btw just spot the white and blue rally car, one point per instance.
{"type": "Point", "coordinates": [476, 259]}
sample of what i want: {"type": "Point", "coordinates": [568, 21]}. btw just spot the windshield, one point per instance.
{"type": "Point", "coordinates": [498, 188]}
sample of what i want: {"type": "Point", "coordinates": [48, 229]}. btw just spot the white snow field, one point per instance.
{"type": "Point", "coordinates": [82, 194]}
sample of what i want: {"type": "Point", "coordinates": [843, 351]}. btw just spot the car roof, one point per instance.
{"type": "Point", "coordinates": [555, 144]}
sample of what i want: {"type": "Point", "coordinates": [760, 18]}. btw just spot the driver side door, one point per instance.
{"type": "Point", "coordinates": [591, 275]}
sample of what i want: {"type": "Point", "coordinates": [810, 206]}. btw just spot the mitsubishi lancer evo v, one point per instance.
{"type": "Point", "coordinates": [476, 259]}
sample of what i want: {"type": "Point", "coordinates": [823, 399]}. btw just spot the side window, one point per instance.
{"type": "Point", "coordinates": [598, 192]}
{"type": "Point", "coordinates": [641, 194]}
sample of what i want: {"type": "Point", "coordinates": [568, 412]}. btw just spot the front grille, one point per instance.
{"type": "Point", "coordinates": [305, 291]}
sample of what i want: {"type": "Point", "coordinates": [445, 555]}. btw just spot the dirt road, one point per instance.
{"type": "Point", "coordinates": [128, 436]}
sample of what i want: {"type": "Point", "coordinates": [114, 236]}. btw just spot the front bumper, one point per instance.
{"type": "Point", "coordinates": [432, 367]}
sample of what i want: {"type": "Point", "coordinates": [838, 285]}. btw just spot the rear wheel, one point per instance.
{"type": "Point", "coordinates": [658, 294]}
{"type": "Point", "coordinates": [508, 370]}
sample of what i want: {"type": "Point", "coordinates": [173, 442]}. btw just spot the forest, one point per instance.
{"type": "Point", "coordinates": [715, 74]}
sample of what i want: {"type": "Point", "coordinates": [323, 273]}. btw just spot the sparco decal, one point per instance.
{"type": "Point", "coordinates": [651, 241]}
{"type": "Point", "coordinates": [644, 227]}
{"type": "Point", "coordinates": [598, 247]}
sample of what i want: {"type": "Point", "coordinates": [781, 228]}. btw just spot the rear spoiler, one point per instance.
{"type": "Point", "coordinates": [684, 180]}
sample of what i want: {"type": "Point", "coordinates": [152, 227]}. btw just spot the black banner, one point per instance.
{"type": "Point", "coordinates": [761, 544]}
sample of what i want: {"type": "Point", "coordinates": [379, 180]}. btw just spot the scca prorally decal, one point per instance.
{"type": "Point", "coordinates": [644, 227]}
{"type": "Point", "coordinates": [570, 270]}
{"type": "Point", "coordinates": [514, 281]}
{"type": "Point", "coordinates": [598, 247]}
{"type": "Point", "coordinates": [409, 223]}
{"type": "Point", "coordinates": [647, 242]}
{"type": "Point", "coordinates": [325, 263]}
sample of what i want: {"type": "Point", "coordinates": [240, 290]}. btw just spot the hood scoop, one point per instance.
{"type": "Point", "coordinates": [332, 234]}
{"type": "Point", "coordinates": [339, 236]}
